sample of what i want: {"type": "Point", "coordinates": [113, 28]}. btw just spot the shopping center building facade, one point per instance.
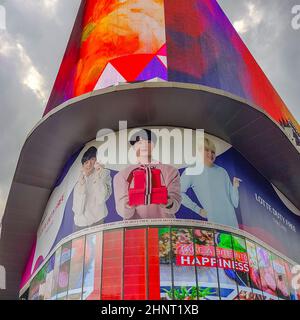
{"type": "Point", "coordinates": [82, 223]}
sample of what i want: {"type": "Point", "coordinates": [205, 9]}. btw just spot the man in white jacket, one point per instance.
{"type": "Point", "coordinates": [91, 191]}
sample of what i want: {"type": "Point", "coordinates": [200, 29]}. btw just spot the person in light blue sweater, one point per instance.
{"type": "Point", "coordinates": [214, 190]}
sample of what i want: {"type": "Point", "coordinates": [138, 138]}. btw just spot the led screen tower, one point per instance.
{"type": "Point", "coordinates": [77, 226]}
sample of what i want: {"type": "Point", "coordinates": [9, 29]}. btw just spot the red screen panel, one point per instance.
{"type": "Point", "coordinates": [153, 265]}
{"type": "Point", "coordinates": [135, 269]}
{"type": "Point", "coordinates": [112, 265]}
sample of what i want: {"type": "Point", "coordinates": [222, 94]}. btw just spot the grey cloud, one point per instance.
{"type": "Point", "coordinates": [43, 37]}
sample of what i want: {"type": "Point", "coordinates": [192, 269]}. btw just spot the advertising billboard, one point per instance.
{"type": "Point", "coordinates": [227, 191]}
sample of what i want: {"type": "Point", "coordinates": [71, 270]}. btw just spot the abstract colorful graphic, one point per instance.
{"type": "Point", "coordinates": [267, 274]}
{"type": "Point", "coordinates": [204, 48]}
{"type": "Point", "coordinates": [184, 41]}
{"type": "Point", "coordinates": [112, 41]}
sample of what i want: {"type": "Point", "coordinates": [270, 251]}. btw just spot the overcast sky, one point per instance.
{"type": "Point", "coordinates": [32, 46]}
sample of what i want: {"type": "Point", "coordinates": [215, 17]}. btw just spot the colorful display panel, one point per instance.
{"type": "Point", "coordinates": [185, 41]}
{"type": "Point", "coordinates": [226, 266]}
{"type": "Point", "coordinates": [76, 269]}
{"type": "Point", "coordinates": [165, 269]}
{"type": "Point", "coordinates": [37, 286]}
{"type": "Point", "coordinates": [153, 264]}
{"type": "Point", "coordinates": [204, 48]}
{"type": "Point", "coordinates": [49, 278]}
{"type": "Point", "coordinates": [281, 276]}
{"type": "Point", "coordinates": [112, 266]}
{"type": "Point", "coordinates": [92, 267]}
{"type": "Point", "coordinates": [267, 274]}
{"type": "Point", "coordinates": [295, 292]}
{"type": "Point", "coordinates": [135, 265]}
{"type": "Point", "coordinates": [242, 268]}
{"type": "Point", "coordinates": [207, 273]}
{"type": "Point", "coordinates": [113, 41]}
{"type": "Point", "coordinates": [64, 270]}
{"type": "Point", "coordinates": [55, 274]}
{"type": "Point", "coordinates": [254, 271]}
{"type": "Point", "coordinates": [33, 290]}
{"type": "Point", "coordinates": [167, 263]}
{"type": "Point", "coordinates": [183, 260]}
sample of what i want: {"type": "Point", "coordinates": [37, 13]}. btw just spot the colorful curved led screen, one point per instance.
{"type": "Point", "coordinates": [181, 263]}
{"type": "Point", "coordinates": [184, 41]}
{"type": "Point", "coordinates": [204, 48]}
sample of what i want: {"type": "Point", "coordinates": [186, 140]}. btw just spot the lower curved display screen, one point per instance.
{"type": "Point", "coordinates": [111, 180]}
{"type": "Point", "coordinates": [168, 263]}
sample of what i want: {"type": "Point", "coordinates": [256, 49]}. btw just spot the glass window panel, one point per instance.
{"type": "Point", "coordinates": [242, 268]}
{"type": "Point", "coordinates": [34, 289]}
{"type": "Point", "coordinates": [254, 271]}
{"type": "Point", "coordinates": [37, 286]}
{"type": "Point", "coordinates": [226, 266]}
{"type": "Point", "coordinates": [55, 274]}
{"type": "Point", "coordinates": [267, 275]}
{"type": "Point", "coordinates": [76, 269]}
{"type": "Point", "coordinates": [184, 270]}
{"type": "Point", "coordinates": [42, 279]}
{"type": "Point", "coordinates": [207, 273]}
{"type": "Point", "coordinates": [165, 270]}
{"type": "Point", "coordinates": [153, 264]}
{"type": "Point", "coordinates": [281, 277]}
{"type": "Point", "coordinates": [92, 267]}
{"type": "Point", "coordinates": [49, 277]}
{"type": "Point", "coordinates": [112, 273]}
{"type": "Point", "coordinates": [289, 276]}
{"type": "Point", "coordinates": [135, 287]}
{"type": "Point", "coordinates": [63, 274]}
{"type": "Point", "coordinates": [295, 294]}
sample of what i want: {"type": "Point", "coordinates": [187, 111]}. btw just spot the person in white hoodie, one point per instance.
{"type": "Point", "coordinates": [91, 191]}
